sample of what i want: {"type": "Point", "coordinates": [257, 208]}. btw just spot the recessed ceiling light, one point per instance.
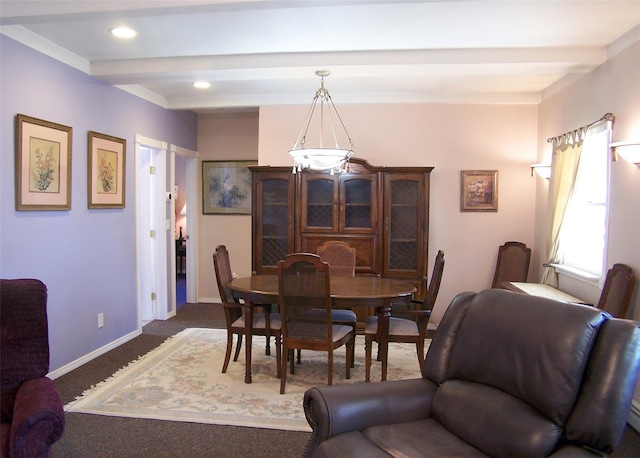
{"type": "Point", "coordinates": [123, 32]}
{"type": "Point", "coordinates": [202, 84]}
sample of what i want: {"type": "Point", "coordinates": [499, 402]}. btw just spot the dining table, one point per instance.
{"type": "Point", "coordinates": [374, 293]}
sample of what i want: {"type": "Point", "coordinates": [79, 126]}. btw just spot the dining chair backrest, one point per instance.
{"type": "Point", "coordinates": [304, 285]}
{"type": "Point", "coordinates": [340, 256]}
{"type": "Point", "coordinates": [512, 264]}
{"type": "Point", "coordinates": [224, 276]}
{"type": "Point", "coordinates": [618, 290]}
{"type": "Point", "coordinates": [223, 273]}
{"type": "Point", "coordinates": [434, 283]}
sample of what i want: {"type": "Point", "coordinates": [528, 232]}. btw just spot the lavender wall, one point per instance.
{"type": "Point", "coordinates": [85, 257]}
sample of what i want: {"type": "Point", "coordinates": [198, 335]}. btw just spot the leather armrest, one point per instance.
{"type": "Point", "coordinates": [332, 410]}
{"type": "Point", "coordinates": [38, 418]}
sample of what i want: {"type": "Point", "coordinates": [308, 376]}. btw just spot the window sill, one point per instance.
{"type": "Point", "coordinates": [581, 275]}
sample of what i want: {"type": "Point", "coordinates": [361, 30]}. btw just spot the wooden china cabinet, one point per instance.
{"type": "Point", "coordinates": [346, 207]}
{"type": "Point", "coordinates": [383, 212]}
{"type": "Point", "coordinates": [272, 217]}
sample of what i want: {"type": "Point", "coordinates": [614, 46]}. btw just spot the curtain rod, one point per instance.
{"type": "Point", "coordinates": [606, 117]}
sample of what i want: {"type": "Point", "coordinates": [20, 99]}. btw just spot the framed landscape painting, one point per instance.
{"type": "Point", "coordinates": [479, 190]}
{"type": "Point", "coordinates": [43, 164]}
{"type": "Point", "coordinates": [226, 187]}
{"type": "Point", "coordinates": [106, 171]}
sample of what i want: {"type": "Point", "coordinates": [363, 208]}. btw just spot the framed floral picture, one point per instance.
{"type": "Point", "coordinates": [226, 187]}
{"type": "Point", "coordinates": [43, 164]}
{"type": "Point", "coordinates": [106, 170]}
{"type": "Point", "coordinates": [478, 190]}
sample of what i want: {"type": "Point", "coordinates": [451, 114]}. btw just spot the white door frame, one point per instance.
{"type": "Point", "coordinates": [151, 203]}
{"type": "Point", "coordinates": [192, 222]}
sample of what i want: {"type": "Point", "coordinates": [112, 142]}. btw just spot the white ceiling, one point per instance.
{"type": "Point", "coordinates": [258, 53]}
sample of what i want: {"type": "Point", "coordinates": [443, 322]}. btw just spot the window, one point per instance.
{"type": "Point", "coordinates": [584, 229]}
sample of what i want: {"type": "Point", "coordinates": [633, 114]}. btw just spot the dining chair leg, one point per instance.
{"type": "Point", "coordinates": [292, 368]}
{"type": "Point", "coordinates": [350, 352]}
{"type": "Point", "coordinates": [283, 370]}
{"type": "Point", "coordinates": [330, 367]}
{"type": "Point", "coordinates": [278, 356]}
{"type": "Point", "coordinates": [267, 348]}
{"type": "Point", "coordinates": [353, 348]}
{"type": "Point", "coordinates": [420, 351]}
{"type": "Point", "coordinates": [368, 343]}
{"type": "Point", "coordinates": [238, 347]}
{"type": "Point", "coordinates": [227, 353]}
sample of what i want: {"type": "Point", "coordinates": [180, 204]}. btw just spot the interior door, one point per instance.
{"type": "Point", "coordinates": [152, 237]}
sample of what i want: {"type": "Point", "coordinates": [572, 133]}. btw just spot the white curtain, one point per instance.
{"type": "Point", "coordinates": [564, 166]}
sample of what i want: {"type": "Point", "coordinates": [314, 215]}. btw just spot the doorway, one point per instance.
{"type": "Point", "coordinates": [184, 165]}
{"type": "Point", "coordinates": [181, 230]}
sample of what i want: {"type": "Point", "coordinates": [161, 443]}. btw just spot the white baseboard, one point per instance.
{"type": "Point", "coordinates": [209, 300]}
{"type": "Point", "coordinates": [634, 415]}
{"type": "Point", "coordinates": [94, 354]}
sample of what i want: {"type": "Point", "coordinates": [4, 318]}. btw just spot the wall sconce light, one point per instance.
{"type": "Point", "coordinates": [629, 151]}
{"type": "Point", "coordinates": [544, 170]}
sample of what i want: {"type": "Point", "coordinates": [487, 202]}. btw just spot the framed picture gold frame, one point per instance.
{"type": "Point", "coordinates": [478, 190]}
{"type": "Point", "coordinates": [226, 187]}
{"type": "Point", "coordinates": [43, 164]}
{"type": "Point", "coordinates": [106, 171]}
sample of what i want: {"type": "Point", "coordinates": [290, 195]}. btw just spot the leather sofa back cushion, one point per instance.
{"type": "Point", "coordinates": [475, 413]}
{"type": "Point", "coordinates": [24, 337]}
{"type": "Point", "coordinates": [543, 363]}
{"type": "Point", "coordinates": [617, 353]}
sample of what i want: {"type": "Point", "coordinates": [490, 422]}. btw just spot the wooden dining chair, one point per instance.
{"type": "Point", "coordinates": [304, 285]}
{"type": "Point", "coordinates": [342, 262]}
{"type": "Point", "coordinates": [340, 256]}
{"type": "Point", "coordinates": [406, 330]}
{"type": "Point", "coordinates": [264, 324]}
{"type": "Point", "coordinates": [618, 290]}
{"type": "Point", "coordinates": [513, 263]}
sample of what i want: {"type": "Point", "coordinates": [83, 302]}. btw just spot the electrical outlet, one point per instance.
{"type": "Point", "coordinates": [100, 320]}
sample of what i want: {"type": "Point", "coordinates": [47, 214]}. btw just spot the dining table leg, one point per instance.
{"type": "Point", "coordinates": [248, 335]}
{"type": "Point", "coordinates": [383, 337]}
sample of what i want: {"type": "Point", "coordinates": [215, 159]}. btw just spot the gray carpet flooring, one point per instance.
{"type": "Point", "coordinates": [98, 436]}
{"type": "Point", "coordinates": [102, 436]}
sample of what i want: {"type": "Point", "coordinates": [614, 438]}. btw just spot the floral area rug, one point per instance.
{"type": "Point", "coordinates": [181, 380]}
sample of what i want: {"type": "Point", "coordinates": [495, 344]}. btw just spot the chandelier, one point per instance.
{"type": "Point", "coordinates": [321, 158]}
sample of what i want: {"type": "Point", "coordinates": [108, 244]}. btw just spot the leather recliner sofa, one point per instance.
{"type": "Point", "coordinates": [32, 416]}
{"type": "Point", "coordinates": [506, 375]}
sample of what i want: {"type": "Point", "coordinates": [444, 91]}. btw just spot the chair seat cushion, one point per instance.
{"type": "Point", "coordinates": [424, 438]}
{"type": "Point", "coordinates": [397, 326]}
{"type": "Point", "coordinates": [314, 330]}
{"type": "Point", "coordinates": [260, 322]}
{"type": "Point", "coordinates": [340, 331]}
{"type": "Point", "coordinates": [340, 316]}
{"type": "Point", "coordinates": [474, 412]}
{"type": "Point", "coordinates": [352, 444]}
{"type": "Point", "coordinates": [343, 316]}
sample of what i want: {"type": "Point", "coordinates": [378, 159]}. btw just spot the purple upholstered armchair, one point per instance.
{"type": "Point", "coordinates": [32, 416]}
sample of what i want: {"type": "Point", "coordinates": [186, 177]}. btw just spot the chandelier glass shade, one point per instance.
{"type": "Point", "coordinates": [334, 159]}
